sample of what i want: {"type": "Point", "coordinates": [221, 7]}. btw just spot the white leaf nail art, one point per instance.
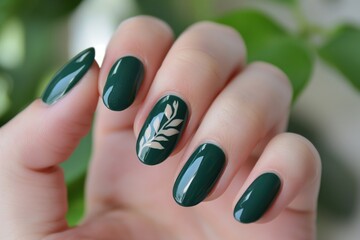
{"type": "Point", "coordinates": [168, 111]}
{"type": "Point", "coordinates": [160, 138]}
{"type": "Point", "coordinates": [175, 123]}
{"type": "Point", "coordinates": [142, 141]}
{"type": "Point", "coordinates": [147, 132]}
{"type": "Point", "coordinates": [161, 133]}
{"type": "Point", "coordinates": [156, 124]}
{"type": "Point", "coordinates": [156, 145]}
{"type": "Point", "coordinates": [169, 132]}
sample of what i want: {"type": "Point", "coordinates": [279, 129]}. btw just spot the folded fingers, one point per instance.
{"type": "Point", "coordinates": [286, 177]}
{"type": "Point", "coordinates": [194, 99]}
{"type": "Point", "coordinates": [244, 113]}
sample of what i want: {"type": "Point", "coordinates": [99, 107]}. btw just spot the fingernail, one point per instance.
{"type": "Point", "coordinates": [123, 83]}
{"type": "Point", "coordinates": [162, 130]}
{"type": "Point", "coordinates": [257, 198]}
{"type": "Point", "coordinates": [68, 76]}
{"type": "Point", "coordinates": [199, 175]}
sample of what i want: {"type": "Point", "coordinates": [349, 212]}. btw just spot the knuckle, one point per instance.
{"type": "Point", "coordinates": [275, 73]}
{"type": "Point", "coordinates": [205, 24]}
{"type": "Point", "coordinates": [252, 115]}
{"type": "Point", "coordinates": [146, 22]}
{"type": "Point", "coordinates": [216, 27]}
{"type": "Point", "coordinates": [196, 58]}
{"type": "Point", "coordinates": [252, 119]}
{"type": "Point", "coordinates": [312, 156]}
{"type": "Point", "coordinates": [309, 156]}
{"type": "Point", "coordinates": [212, 29]}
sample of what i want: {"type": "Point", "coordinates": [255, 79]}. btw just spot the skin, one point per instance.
{"type": "Point", "coordinates": [244, 109]}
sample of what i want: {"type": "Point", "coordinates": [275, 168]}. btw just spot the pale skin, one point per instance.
{"type": "Point", "coordinates": [243, 108]}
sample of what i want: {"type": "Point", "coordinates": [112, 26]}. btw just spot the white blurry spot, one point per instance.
{"type": "Point", "coordinates": [12, 44]}
{"type": "Point", "coordinates": [94, 22]}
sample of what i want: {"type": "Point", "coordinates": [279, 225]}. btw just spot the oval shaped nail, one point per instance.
{"type": "Point", "coordinates": [257, 198]}
{"type": "Point", "coordinates": [123, 83]}
{"type": "Point", "coordinates": [199, 175]}
{"type": "Point", "coordinates": [162, 130]}
{"type": "Point", "coordinates": [68, 76]}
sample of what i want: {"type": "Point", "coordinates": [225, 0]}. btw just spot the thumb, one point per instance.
{"type": "Point", "coordinates": [33, 193]}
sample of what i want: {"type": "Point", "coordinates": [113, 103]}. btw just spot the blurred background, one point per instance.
{"type": "Point", "coordinates": [318, 46]}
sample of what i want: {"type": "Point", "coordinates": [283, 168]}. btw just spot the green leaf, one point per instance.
{"type": "Point", "coordinates": [39, 56]}
{"type": "Point", "coordinates": [268, 41]}
{"type": "Point", "coordinates": [37, 9]}
{"type": "Point", "coordinates": [77, 164]}
{"type": "Point", "coordinates": [8, 8]}
{"type": "Point", "coordinates": [76, 200]}
{"type": "Point", "coordinates": [48, 10]}
{"type": "Point", "coordinates": [75, 174]}
{"type": "Point", "coordinates": [255, 27]}
{"type": "Point", "coordinates": [342, 51]}
{"type": "Point", "coordinates": [290, 55]}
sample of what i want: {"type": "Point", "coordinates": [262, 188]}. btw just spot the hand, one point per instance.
{"type": "Point", "coordinates": [239, 110]}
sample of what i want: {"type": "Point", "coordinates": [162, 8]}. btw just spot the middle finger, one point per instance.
{"type": "Point", "coordinates": [196, 69]}
{"type": "Point", "coordinates": [243, 114]}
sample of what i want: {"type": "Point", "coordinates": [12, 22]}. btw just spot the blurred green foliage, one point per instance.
{"type": "Point", "coordinates": [32, 46]}
{"type": "Point", "coordinates": [38, 21]}
{"type": "Point", "coordinates": [268, 41]}
{"type": "Point", "coordinates": [37, 9]}
{"type": "Point", "coordinates": [345, 59]}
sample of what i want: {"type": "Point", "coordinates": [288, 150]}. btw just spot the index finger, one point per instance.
{"type": "Point", "coordinates": [142, 41]}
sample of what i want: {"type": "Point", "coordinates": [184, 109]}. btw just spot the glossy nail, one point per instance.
{"type": "Point", "coordinates": [257, 198]}
{"type": "Point", "coordinates": [199, 175]}
{"type": "Point", "coordinates": [68, 76]}
{"type": "Point", "coordinates": [162, 130]}
{"type": "Point", "coordinates": [123, 83]}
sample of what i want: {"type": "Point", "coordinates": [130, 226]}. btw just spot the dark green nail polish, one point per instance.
{"type": "Point", "coordinates": [162, 130]}
{"type": "Point", "coordinates": [123, 83]}
{"type": "Point", "coordinates": [199, 175]}
{"type": "Point", "coordinates": [68, 76]}
{"type": "Point", "coordinates": [257, 198]}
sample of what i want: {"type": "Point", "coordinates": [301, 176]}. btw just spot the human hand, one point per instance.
{"type": "Point", "coordinates": [239, 111]}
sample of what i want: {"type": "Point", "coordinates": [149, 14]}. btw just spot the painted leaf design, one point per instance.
{"type": "Point", "coordinates": [156, 124]}
{"type": "Point", "coordinates": [168, 111]}
{"type": "Point", "coordinates": [156, 145]}
{"type": "Point", "coordinates": [175, 123]}
{"type": "Point", "coordinates": [169, 132]}
{"type": "Point", "coordinates": [147, 133]}
{"type": "Point", "coordinates": [175, 104]}
{"type": "Point", "coordinates": [142, 142]}
{"type": "Point", "coordinates": [161, 138]}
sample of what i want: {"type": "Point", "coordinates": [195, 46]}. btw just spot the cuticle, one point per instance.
{"type": "Point", "coordinates": [214, 142]}
{"type": "Point", "coordinates": [276, 173]}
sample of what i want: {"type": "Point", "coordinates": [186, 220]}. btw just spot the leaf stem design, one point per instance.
{"type": "Point", "coordinates": [167, 129]}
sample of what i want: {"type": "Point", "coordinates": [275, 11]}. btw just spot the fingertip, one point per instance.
{"type": "Point", "coordinates": [141, 36]}
{"type": "Point", "coordinates": [199, 175]}
{"type": "Point", "coordinates": [257, 198]}
{"type": "Point", "coordinates": [49, 129]}
{"type": "Point", "coordinates": [295, 162]}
